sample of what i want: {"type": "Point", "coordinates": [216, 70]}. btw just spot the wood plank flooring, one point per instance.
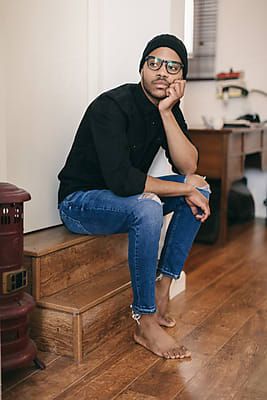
{"type": "Point", "coordinates": [221, 318]}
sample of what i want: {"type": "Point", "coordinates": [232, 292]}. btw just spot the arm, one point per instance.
{"type": "Point", "coordinates": [193, 197]}
{"type": "Point", "coordinates": [183, 153]}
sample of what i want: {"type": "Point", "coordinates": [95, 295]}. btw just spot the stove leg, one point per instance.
{"type": "Point", "coordinates": [39, 364]}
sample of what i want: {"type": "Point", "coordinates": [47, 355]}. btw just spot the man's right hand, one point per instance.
{"type": "Point", "coordinates": [199, 204]}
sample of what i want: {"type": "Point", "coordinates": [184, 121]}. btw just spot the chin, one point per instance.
{"type": "Point", "coordinates": [160, 97]}
{"type": "Point", "coordinates": [159, 94]}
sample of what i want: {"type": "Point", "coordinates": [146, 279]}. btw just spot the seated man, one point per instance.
{"type": "Point", "coordinates": [105, 188]}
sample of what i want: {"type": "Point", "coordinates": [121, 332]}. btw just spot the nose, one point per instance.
{"type": "Point", "coordinates": [162, 71]}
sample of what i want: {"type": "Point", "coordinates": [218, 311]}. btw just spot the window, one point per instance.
{"type": "Point", "coordinates": [200, 38]}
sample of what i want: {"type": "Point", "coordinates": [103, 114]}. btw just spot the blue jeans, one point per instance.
{"type": "Point", "coordinates": [101, 212]}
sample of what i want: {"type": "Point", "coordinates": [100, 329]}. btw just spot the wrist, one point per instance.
{"type": "Point", "coordinates": [165, 112]}
{"type": "Point", "coordinates": [189, 189]}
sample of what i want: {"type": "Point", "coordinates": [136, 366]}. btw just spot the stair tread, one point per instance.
{"type": "Point", "coordinates": [85, 295]}
{"type": "Point", "coordinates": [45, 241]}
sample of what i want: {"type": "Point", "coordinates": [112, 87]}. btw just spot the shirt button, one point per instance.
{"type": "Point", "coordinates": [158, 139]}
{"type": "Point", "coordinates": [134, 146]}
{"type": "Point", "coordinates": [153, 123]}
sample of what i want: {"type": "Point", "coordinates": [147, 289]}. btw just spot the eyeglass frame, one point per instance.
{"type": "Point", "coordinates": [166, 64]}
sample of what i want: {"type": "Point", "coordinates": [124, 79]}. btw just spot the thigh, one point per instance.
{"type": "Point", "coordinates": [97, 212]}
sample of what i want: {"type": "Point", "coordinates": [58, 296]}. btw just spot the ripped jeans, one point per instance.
{"type": "Point", "coordinates": [102, 212]}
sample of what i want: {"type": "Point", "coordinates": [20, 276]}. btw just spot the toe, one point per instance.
{"type": "Point", "coordinates": [166, 355]}
{"type": "Point", "coordinates": [186, 353]}
{"type": "Point", "coordinates": [170, 321]}
{"type": "Point", "coordinates": [179, 353]}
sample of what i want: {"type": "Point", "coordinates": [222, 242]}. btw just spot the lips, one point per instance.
{"type": "Point", "coordinates": [161, 84]}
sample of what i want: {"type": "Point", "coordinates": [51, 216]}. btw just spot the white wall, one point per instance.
{"type": "Point", "coordinates": [126, 27]}
{"type": "Point", "coordinates": [2, 111]}
{"type": "Point", "coordinates": [242, 33]}
{"type": "Point", "coordinates": [59, 55]}
{"type": "Point", "coordinates": [45, 71]}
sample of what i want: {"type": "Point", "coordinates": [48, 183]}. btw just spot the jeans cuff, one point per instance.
{"type": "Point", "coordinates": [168, 273]}
{"type": "Point", "coordinates": [142, 310]}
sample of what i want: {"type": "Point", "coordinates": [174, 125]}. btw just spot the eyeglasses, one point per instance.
{"type": "Point", "coordinates": [155, 63]}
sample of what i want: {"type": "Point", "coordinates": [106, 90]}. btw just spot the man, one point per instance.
{"type": "Point", "coordinates": [105, 188]}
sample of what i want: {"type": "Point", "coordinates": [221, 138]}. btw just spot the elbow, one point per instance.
{"type": "Point", "coordinates": [189, 169]}
{"type": "Point", "coordinates": [189, 164]}
{"type": "Point", "coordinates": [192, 164]}
{"type": "Point", "coordinates": [192, 168]}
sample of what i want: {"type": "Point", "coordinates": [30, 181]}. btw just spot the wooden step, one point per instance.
{"type": "Point", "coordinates": [78, 319]}
{"type": "Point", "coordinates": [85, 295]}
{"type": "Point", "coordinates": [82, 289]}
{"type": "Point", "coordinates": [57, 259]}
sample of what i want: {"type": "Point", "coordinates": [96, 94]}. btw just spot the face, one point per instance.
{"type": "Point", "coordinates": [155, 83]}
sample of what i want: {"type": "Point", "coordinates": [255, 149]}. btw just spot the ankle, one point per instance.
{"type": "Point", "coordinates": [164, 284]}
{"type": "Point", "coordinates": [147, 320]}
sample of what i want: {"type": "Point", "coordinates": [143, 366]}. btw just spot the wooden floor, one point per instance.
{"type": "Point", "coordinates": [222, 319]}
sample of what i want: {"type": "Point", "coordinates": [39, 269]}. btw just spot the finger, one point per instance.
{"type": "Point", "coordinates": [179, 87]}
{"type": "Point", "coordinates": [205, 215]}
{"type": "Point", "coordinates": [203, 211]}
{"type": "Point", "coordinates": [194, 210]}
{"type": "Point", "coordinates": [201, 217]}
{"type": "Point", "coordinates": [180, 82]}
{"type": "Point", "coordinates": [175, 85]}
{"type": "Point", "coordinates": [168, 92]}
{"type": "Point", "coordinates": [171, 92]}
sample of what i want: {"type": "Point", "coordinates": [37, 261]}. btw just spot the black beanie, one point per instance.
{"type": "Point", "coordinates": [166, 40]}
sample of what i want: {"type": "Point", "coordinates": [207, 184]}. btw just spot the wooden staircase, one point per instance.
{"type": "Point", "coordinates": [81, 285]}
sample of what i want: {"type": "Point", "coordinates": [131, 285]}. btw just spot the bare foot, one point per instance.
{"type": "Point", "coordinates": [162, 300]}
{"type": "Point", "coordinates": [151, 336]}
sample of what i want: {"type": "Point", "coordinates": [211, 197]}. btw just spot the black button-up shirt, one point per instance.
{"type": "Point", "coordinates": [116, 142]}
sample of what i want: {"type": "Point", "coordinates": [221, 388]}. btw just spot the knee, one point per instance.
{"type": "Point", "coordinates": [199, 183]}
{"type": "Point", "coordinates": [149, 209]}
{"type": "Point", "coordinates": [196, 180]}
{"type": "Point", "coordinates": [151, 196]}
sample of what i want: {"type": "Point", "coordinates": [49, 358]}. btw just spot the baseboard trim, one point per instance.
{"type": "Point", "coordinates": [178, 286]}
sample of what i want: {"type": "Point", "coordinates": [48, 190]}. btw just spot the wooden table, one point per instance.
{"type": "Point", "coordinates": [222, 155]}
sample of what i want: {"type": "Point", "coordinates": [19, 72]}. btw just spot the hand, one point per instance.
{"type": "Point", "coordinates": [174, 93]}
{"type": "Point", "coordinates": [199, 205]}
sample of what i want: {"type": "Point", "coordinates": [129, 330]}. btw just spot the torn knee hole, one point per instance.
{"type": "Point", "coordinates": [196, 180]}
{"type": "Point", "coordinates": [151, 196]}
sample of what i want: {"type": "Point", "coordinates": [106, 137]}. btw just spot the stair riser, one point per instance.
{"type": "Point", "coordinates": [52, 331]}
{"type": "Point", "coordinates": [76, 336]}
{"type": "Point", "coordinates": [64, 268]}
{"type": "Point", "coordinates": [105, 320]}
